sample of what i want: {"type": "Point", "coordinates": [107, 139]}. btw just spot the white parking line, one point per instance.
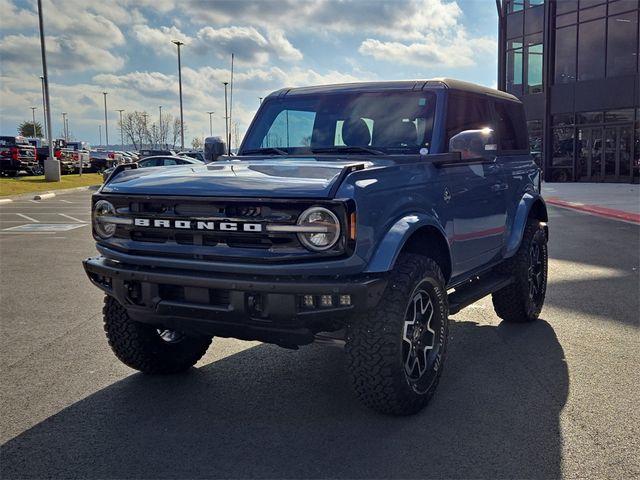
{"type": "Point", "coordinates": [28, 218]}
{"type": "Point", "coordinates": [71, 218]}
{"type": "Point", "coordinates": [34, 201]}
{"type": "Point", "coordinates": [66, 201]}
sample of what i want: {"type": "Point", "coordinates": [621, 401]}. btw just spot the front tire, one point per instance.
{"type": "Point", "coordinates": [146, 348]}
{"type": "Point", "coordinates": [522, 301]}
{"type": "Point", "coordinates": [396, 352]}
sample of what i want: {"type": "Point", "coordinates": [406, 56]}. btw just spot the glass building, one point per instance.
{"type": "Point", "coordinates": [574, 65]}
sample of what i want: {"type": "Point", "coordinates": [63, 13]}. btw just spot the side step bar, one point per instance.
{"type": "Point", "coordinates": [473, 291]}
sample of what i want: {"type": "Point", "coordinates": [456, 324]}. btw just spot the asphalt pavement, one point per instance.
{"type": "Point", "coordinates": [554, 399]}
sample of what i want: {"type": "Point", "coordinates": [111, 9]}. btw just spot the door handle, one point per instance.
{"type": "Point", "coordinates": [499, 187]}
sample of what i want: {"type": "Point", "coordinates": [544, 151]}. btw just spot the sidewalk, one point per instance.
{"type": "Point", "coordinates": [613, 200]}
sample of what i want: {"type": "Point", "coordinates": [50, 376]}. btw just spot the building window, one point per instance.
{"type": "Point", "coordinates": [535, 140]}
{"type": "Point", "coordinates": [593, 13]}
{"type": "Point", "coordinates": [514, 70]}
{"type": "Point", "coordinates": [620, 6]}
{"type": "Point", "coordinates": [534, 20]}
{"type": "Point", "coordinates": [566, 6]}
{"type": "Point", "coordinates": [590, 3]}
{"type": "Point", "coordinates": [534, 68]}
{"type": "Point", "coordinates": [562, 155]}
{"type": "Point", "coordinates": [622, 44]}
{"type": "Point", "coordinates": [591, 50]}
{"type": "Point", "coordinates": [515, 5]}
{"type": "Point", "coordinates": [515, 25]}
{"type": "Point", "coordinates": [565, 61]}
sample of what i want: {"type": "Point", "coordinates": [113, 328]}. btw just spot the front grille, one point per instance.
{"type": "Point", "coordinates": [213, 244]}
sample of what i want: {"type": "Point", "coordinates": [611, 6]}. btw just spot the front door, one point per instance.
{"type": "Point", "coordinates": [589, 153]}
{"type": "Point", "coordinates": [604, 154]}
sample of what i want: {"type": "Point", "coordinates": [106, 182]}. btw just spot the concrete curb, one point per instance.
{"type": "Point", "coordinates": [596, 210]}
{"type": "Point", "coordinates": [31, 195]}
{"type": "Point", "coordinates": [44, 196]}
{"type": "Point", "coordinates": [5, 200]}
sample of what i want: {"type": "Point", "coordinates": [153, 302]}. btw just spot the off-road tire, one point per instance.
{"type": "Point", "coordinates": [376, 339]}
{"type": "Point", "coordinates": [514, 303]}
{"type": "Point", "coordinates": [140, 346]}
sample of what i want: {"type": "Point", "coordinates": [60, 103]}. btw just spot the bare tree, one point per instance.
{"type": "Point", "coordinates": [134, 128]}
{"type": "Point", "coordinates": [175, 134]}
{"type": "Point", "coordinates": [163, 130]}
{"type": "Point", "coordinates": [197, 143]}
{"type": "Point", "coordinates": [236, 134]}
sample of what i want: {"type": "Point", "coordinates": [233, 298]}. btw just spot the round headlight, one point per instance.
{"type": "Point", "coordinates": [322, 229]}
{"type": "Point", "coordinates": [101, 213]}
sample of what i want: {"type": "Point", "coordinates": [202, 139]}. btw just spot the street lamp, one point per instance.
{"type": "Point", "coordinates": [64, 125]}
{"type": "Point", "coordinates": [100, 133]}
{"type": "Point", "coordinates": [210, 124]}
{"type": "Point", "coordinates": [259, 100]}
{"type": "Point", "coordinates": [33, 114]}
{"type": "Point", "coordinates": [160, 136]}
{"type": "Point", "coordinates": [44, 110]}
{"type": "Point", "coordinates": [121, 134]}
{"type": "Point", "coordinates": [226, 119]}
{"type": "Point", "coordinates": [51, 164]}
{"type": "Point", "coordinates": [106, 125]}
{"type": "Point", "coordinates": [146, 130]}
{"type": "Point", "coordinates": [178, 43]}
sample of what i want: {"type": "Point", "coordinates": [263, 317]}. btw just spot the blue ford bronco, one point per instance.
{"type": "Point", "coordinates": [360, 215]}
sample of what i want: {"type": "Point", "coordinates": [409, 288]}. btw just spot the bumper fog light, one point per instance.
{"type": "Point", "coordinates": [326, 301]}
{"type": "Point", "coordinates": [345, 300]}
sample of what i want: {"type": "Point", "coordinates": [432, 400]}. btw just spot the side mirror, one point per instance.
{"type": "Point", "coordinates": [474, 144]}
{"type": "Point", "coordinates": [213, 148]}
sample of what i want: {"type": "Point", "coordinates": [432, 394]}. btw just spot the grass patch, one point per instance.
{"type": "Point", "coordinates": [20, 185]}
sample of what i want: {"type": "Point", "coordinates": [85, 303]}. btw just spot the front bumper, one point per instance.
{"type": "Point", "coordinates": [268, 309]}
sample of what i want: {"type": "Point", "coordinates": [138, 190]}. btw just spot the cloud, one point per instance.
{"type": "Point", "coordinates": [431, 51]}
{"type": "Point", "coordinates": [65, 54]}
{"type": "Point", "coordinates": [406, 19]}
{"type": "Point", "coordinates": [247, 44]}
{"type": "Point", "coordinates": [159, 39]}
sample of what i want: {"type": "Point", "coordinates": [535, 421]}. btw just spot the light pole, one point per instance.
{"type": "Point", "coordinates": [210, 124]}
{"type": "Point", "coordinates": [178, 44]}
{"type": "Point", "coordinates": [160, 136]}
{"type": "Point", "coordinates": [100, 133]}
{"type": "Point", "coordinates": [51, 164]}
{"type": "Point", "coordinates": [44, 110]}
{"type": "Point", "coordinates": [33, 114]}
{"type": "Point", "coordinates": [226, 119]}
{"type": "Point", "coordinates": [146, 130]}
{"type": "Point", "coordinates": [230, 104]}
{"type": "Point", "coordinates": [64, 125]}
{"type": "Point", "coordinates": [106, 125]}
{"type": "Point", "coordinates": [121, 134]}
{"type": "Point", "coordinates": [259, 100]}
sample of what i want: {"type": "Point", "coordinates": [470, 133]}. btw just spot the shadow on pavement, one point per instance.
{"type": "Point", "coordinates": [267, 412]}
{"type": "Point", "coordinates": [601, 268]}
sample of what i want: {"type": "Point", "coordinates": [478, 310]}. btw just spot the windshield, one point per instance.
{"type": "Point", "coordinates": [354, 123]}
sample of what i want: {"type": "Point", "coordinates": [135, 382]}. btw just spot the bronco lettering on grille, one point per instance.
{"type": "Point", "coordinates": [198, 225]}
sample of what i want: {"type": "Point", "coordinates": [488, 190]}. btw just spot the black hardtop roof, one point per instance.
{"type": "Point", "coordinates": [412, 85]}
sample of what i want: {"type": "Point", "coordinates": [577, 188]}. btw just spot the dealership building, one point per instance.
{"type": "Point", "coordinates": [574, 65]}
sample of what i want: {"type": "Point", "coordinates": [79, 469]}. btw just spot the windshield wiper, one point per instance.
{"type": "Point", "coordinates": [266, 150]}
{"type": "Point", "coordinates": [347, 149]}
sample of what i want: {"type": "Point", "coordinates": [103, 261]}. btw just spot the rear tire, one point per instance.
{"type": "Point", "coordinates": [146, 348]}
{"type": "Point", "coordinates": [522, 301]}
{"type": "Point", "coordinates": [396, 352]}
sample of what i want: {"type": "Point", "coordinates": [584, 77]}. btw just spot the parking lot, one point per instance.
{"type": "Point", "coordinates": [557, 398]}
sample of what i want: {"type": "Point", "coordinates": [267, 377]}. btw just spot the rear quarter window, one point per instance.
{"type": "Point", "coordinates": [466, 112]}
{"type": "Point", "coordinates": [511, 126]}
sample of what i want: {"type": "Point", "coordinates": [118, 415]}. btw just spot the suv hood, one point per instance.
{"type": "Point", "coordinates": [287, 178]}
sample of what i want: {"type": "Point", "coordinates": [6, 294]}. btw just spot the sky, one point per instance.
{"type": "Point", "coordinates": [124, 47]}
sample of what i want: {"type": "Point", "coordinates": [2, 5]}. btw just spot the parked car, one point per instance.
{"type": "Point", "coordinates": [81, 155]}
{"type": "Point", "coordinates": [102, 160]}
{"type": "Point", "coordinates": [150, 153]}
{"type": "Point", "coordinates": [16, 155]}
{"type": "Point", "coordinates": [195, 154]}
{"type": "Point", "coordinates": [386, 208]}
{"type": "Point", "coordinates": [157, 161]}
